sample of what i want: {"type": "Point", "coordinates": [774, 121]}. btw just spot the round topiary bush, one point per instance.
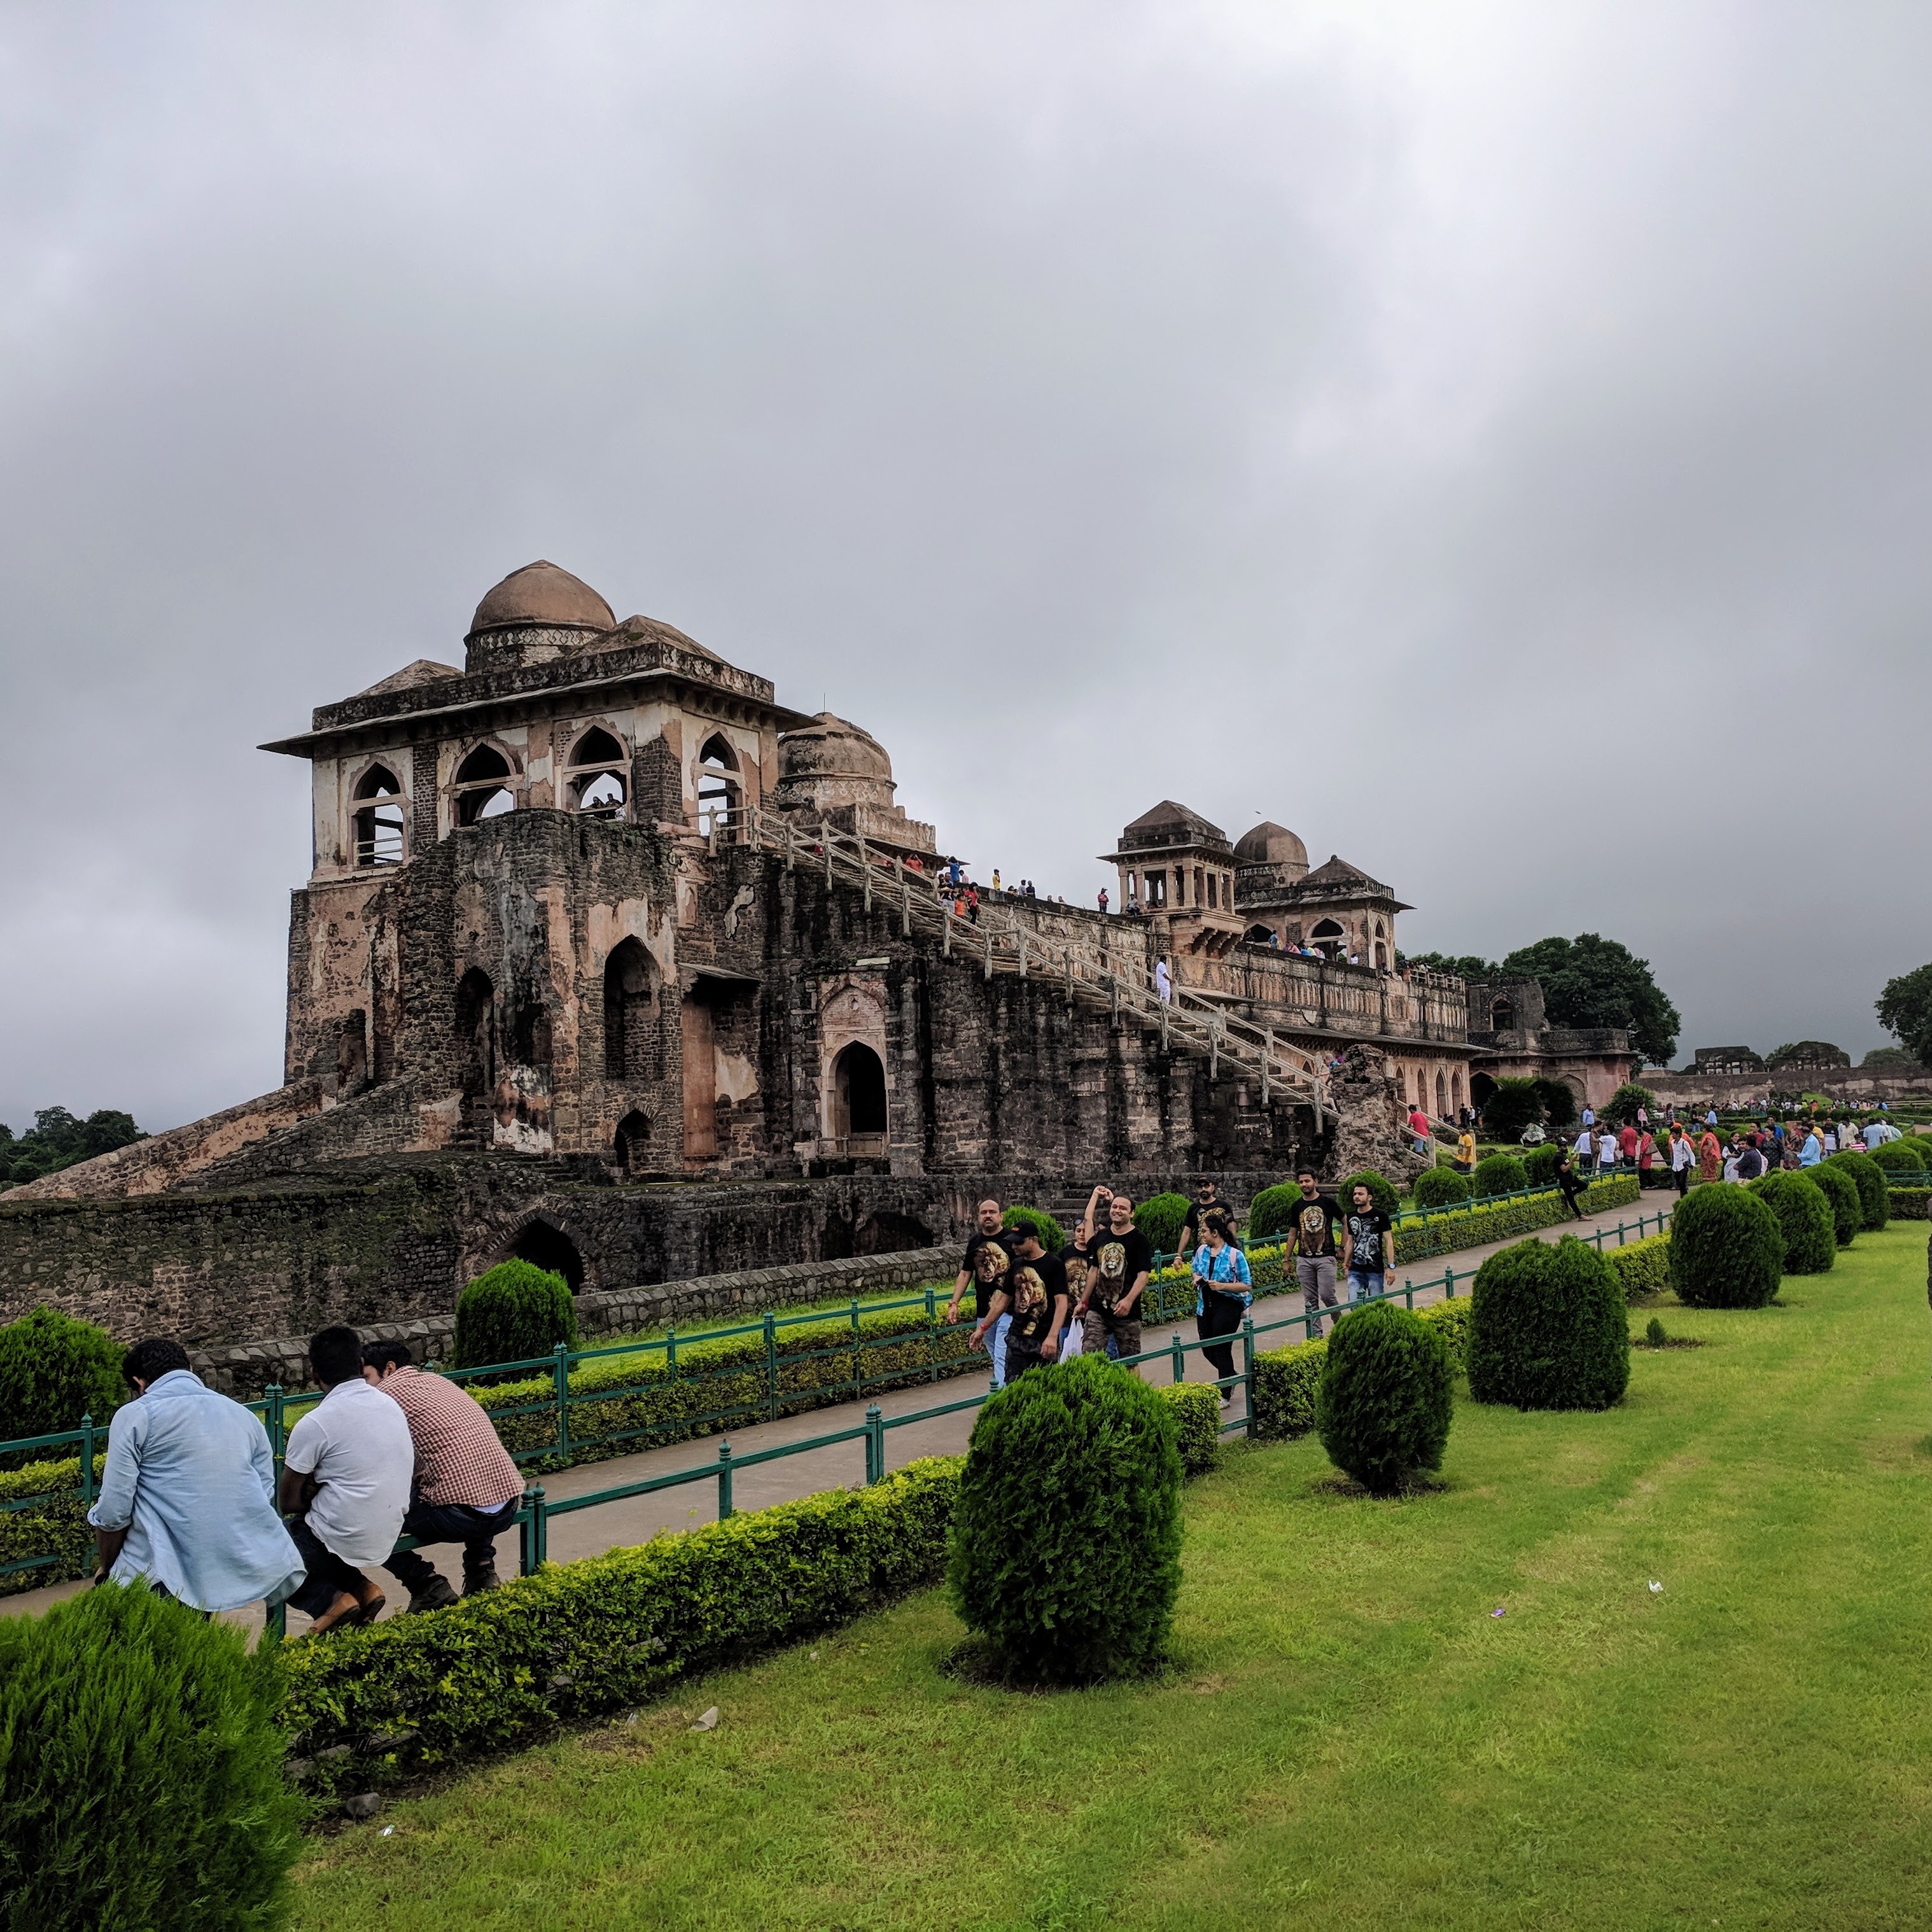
{"type": "Point", "coordinates": [514, 1313]}
{"type": "Point", "coordinates": [1052, 1235]}
{"type": "Point", "coordinates": [1904, 1159]}
{"type": "Point", "coordinates": [1804, 1219]}
{"type": "Point", "coordinates": [1272, 1212]}
{"type": "Point", "coordinates": [1548, 1328]}
{"type": "Point", "coordinates": [1381, 1192]}
{"type": "Point", "coordinates": [1440, 1187]}
{"type": "Point", "coordinates": [1539, 1164]}
{"type": "Point", "coordinates": [1066, 1549]}
{"type": "Point", "coordinates": [140, 1771]}
{"type": "Point", "coordinates": [54, 1370]}
{"type": "Point", "coordinates": [1383, 1403]}
{"type": "Point", "coordinates": [1158, 1217]}
{"type": "Point", "coordinates": [1848, 1213]}
{"type": "Point", "coordinates": [1868, 1177]}
{"type": "Point", "coordinates": [1498, 1174]}
{"type": "Point", "coordinates": [1726, 1249]}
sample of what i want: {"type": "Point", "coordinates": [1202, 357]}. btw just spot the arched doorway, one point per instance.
{"type": "Point", "coordinates": [1480, 1088]}
{"type": "Point", "coordinates": [1328, 939]}
{"type": "Point", "coordinates": [1441, 1098]}
{"type": "Point", "coordinates": [544, 1246]}
{"type": "Point", "coordinates": [858, 1094]}
{"type": "Point", "coordinates": [633, 1142]}
{"type": "Point", "coordinates": [719, 792]}
{"type": "Point", "coordinates": [476, 1048]}
{"type": "Point", "coordinates": [629, 1008]}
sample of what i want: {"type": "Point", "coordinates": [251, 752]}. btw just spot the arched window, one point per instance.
{"type": "Point", "coordinates": [858, 1093]}
{"type": "Point", "coordinates": [1330, 940]}
{"type": "Point", "coordinates": [1442, 1097]}
{"type": "Point", "coordinates": [1260, 935]}
{"type": "Point", "coordinates": [378, 827]}
{"type": "Point", "coordinates": [483, 789]}
{"type": "Point", "coordinates": [633, 1142]}
{"type": "Point", "coordinates": [629, 1013]}
{"type": "Point", "coordinates": [719, 792]}
{"type": "Point", "coordinates": [599, 782]}
{"type": "Point", "coordinates": [544, 1246]}
{"type": "Point", "coordinates": [1381, 956]}
{"type": "Point", "coordinates": [1502, 1016]}
{"type": "Point", "coordinates": [532, 1036]}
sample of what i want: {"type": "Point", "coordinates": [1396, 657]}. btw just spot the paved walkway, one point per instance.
{"type": "Point", "coordinates": [619, 1524]}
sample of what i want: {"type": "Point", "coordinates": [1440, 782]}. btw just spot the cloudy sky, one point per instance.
{"type": "Point", "coordinates": [1493, 440]}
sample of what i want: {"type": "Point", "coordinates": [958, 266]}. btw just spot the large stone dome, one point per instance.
{"type": "Point", "coordinates": [831, 747]}
{"type": "Point", "coordinates": [540, 595]}
{"type": "Point", "coordinates": [1270, 844]}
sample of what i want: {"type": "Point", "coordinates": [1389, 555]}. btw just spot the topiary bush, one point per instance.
{"type": "Point", "coordinates": [1272, 1211]}
{"type": "Point", "coordinates": [1869, 1178]}
{"type": "Point", "coordinates": [1065, 1552]}
{"type": "Point", "coordinates": [1726, 1249]}
{"type": "Point", "coordinates": [54, 1370]}
{"type": "Point", "coordinates": [1498, 1174]}
{"type": "Point", "coordinates": [1158, 1217]}
{"type": "Point", "coordinates": [1804, 1219]}
{"type": "Point", "coordinates": [1384, 1401]}
{"type": "Point", "coordinates": [1848, 1213]}
{"type": "Point", "coordinates": [1539, 1163]}
{"type": "Point", "coordinates": [140, 1771]}
{"type": "Point", "coordinates": [1548, 1328]}
{"type": "Point", "coordinates": [1902, 1158]}
{"type": "Point", "coordinates": [1620, 1109]}
{"type": "Point", "coordinates": [1440, 1187]}
{"type": "Point", "coordinates": [514, 1313]}
{"type": "Point", "coordinates": [1381, 1192]}
{"type": "Point", "coordinates": [1052, 1235]}
{"type": "Point", "coordinates": [1643, 1266]}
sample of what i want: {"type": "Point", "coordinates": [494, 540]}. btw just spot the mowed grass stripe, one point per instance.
{"type": "Point", "coordinates": [1348, 1733]}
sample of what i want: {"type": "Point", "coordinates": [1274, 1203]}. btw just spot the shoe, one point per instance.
{"type": "Point", "coordinates": [435, 1594]}
{"type": "Point", "coordinates": [475, 1581]}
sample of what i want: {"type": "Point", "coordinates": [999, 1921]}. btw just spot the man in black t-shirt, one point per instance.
{"type": "Point", "coordinates": [1311, 1240]}
{"type": "Point", "coordinates": [1032, 1305]}
{"type": "Point", "coordinates": [1073, 1257]}
{"type": "Point", "coordinates": [987, 1260]}
{"type": "Point", "coordinates": [1371, 1239]}
{"type": "Point", "coordinates": [1119, 1259]}
{"type": "Point", "coordinates": [1206, 1202]}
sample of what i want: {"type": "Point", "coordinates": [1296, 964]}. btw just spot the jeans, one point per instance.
{"type": "Point", "coordinates": [1683, 1179]}
{"type": "Point", "coordinates": [329, 1576]}
{"type": "Point", "coordinates": [477, 1530]}
{"type": "Point", "coordinates": [1363, 1282]}
{"type": "Point", "coordinates": [1220, 1315]}
{"type": "Point", "coordinates": [1316, 1274]}
{"type": "Point", "coordinates": [1570, 1192]}
{"type": "Point", "coordinates": [996, 1347]}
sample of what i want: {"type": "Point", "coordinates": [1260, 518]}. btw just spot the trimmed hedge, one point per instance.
{"type": "Point", "coordinates": [1904, 1157]}
{"type": "Point", "coordinates": [54, 1370]}
{"type": "Point", "coordinates": [1381, 1192]}
{"type": "Point", "coordinates": [514, 1313]}
{"type": "Point", "coordinates": [1908, 1203]}
{"type": "Point", "coordinates": [1419, 1238]}
{"type": "Point", "coordinates": [1498, 1173]}
{"type": "Point", "coordinates": [140, 1771]}
{"type": "Point", "coordinates": [1643, 1266]}
{"type": "Point", "coordinates": [1197, 1419]}
{"type": "Point", "coordinates": [1730, 1249]}
{"type": "Point", "coordinates": [1548, 1328]}
{"type": "Point", "coordinates": [1272, 1211]}
{"type": "Point", "coordinates": [1440, 1187]}
{"type": "Point", "coordinates": [1804, 1218]}
{"type": "Point", "coordinates": [1869, 1179]}
{"type": "Point", "coordinates": [1160, 1217]}
{"type": "Point", "coordinates": [1052, 1235]}
{"type": "Point", "coordinates": [1066, 1548]}
{"type": "Point", "coordinates": [56, 1526]}
{"type": "Point", "coordinates": [1286, 1380]}
{"type": "Point", "coordinates": [1848, 1213]}
{"type": "Point", "coordinates": [1384, 1402]}
{"type": "Point", "coordinates": [1540, 1163]}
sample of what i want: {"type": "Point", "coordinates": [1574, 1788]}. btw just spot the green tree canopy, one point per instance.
{"type": "Point", "coordinates": [57, 1139]}
{"type": "Point", "coordinates": [1905, 1011]}
{"type": "Point", "coordinates": [1464, 965]}
{"type": "Point", "coordinates": [1591, 981]}
{"type": "Point", "coordinates": [1882, 1056]}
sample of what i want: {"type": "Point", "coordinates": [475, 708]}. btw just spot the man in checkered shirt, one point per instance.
{"type": "Point", "coordinates": [466, 1488]}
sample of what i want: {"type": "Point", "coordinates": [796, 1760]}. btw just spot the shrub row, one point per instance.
{"type": "Point", "coordinates": [1643, 1266]}
{"type": "Point", "coordinates": [1869, 1178]}
{"type": "Point", "coordinates": [1482, 1222]}
{"type": "Point", "coordinates": [55, 1525]}
{"type": "Point", "coordinates": [1286, 1379]}
{"type": "Point", "coordinates": [1908, 1203]}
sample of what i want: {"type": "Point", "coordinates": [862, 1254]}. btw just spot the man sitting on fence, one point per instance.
{"type": "Point", "coordinates": [187, 1498]}
{"type": "Point", "coordinates": [345, 1484]}
{"type": "Point", "coordinates": [465, 1489]}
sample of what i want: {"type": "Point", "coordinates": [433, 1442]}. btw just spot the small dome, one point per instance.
{"type": "Point", "coordinates": [833, 747]}
{"type": "Point", "coordinates": [540, 595]}
{"type": "Point", "coordinates": [1270, 844]}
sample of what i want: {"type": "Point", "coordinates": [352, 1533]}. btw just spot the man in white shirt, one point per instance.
{"type": "Point", "coordinates": [1874, 1135]}
{"type": "Point", "coordinates": [1606, 1152]}
{"type": "Point", "coordinates": [345, 1484]}
{"type": "Point", "coordinates": [1584, 1153]}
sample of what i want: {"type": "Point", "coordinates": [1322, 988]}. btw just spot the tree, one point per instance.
{"type": "Point", "coordinates": [1514, 1105]}
{"type": "Point", "coordinates": [1591, 981]}
{"type": "Point", "coordinates": [1464, 965]}
{"type": "Point", "coordinates": [1905, 1011]}
{"type": "Point", "coordinates": [1620, 1109]}
{"type": "Point", "coordinates": [1882, 1057]}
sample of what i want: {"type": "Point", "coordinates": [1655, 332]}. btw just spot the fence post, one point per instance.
{"type": "Point", "coordinates": [858, 1356]}
{"type": "Point", "coordinates": [561, 1371]}
{"type": "Point", "coordinates": [539, 1525]}
{"type": "Point", "coordinates": [527, 1533]}
{"type": "Point", "coordinates": [724, 1480]}
{"type": "Point", "coordinates": [1180, 1361]}
{"type": "Point", "coordinates": [1449, 1284]}
{"type": "Point", "coordinates": [1248, 1375]}
{"type": "Point", "coordinates": [86, 1459]}
{"type": "Point", "coordinates": [671, 1351]}
{"type": "Point", "coordinates": [875, 1445]}
{"type": "Point", "coordinates": [1408, 1292]}
{"type": "Point", "coordinates": [771, 1366]}
{"type": "Point", "coordinates": [272, 1396]}
{"type": "Point", "coordinates": [1620, 1234]}
{"type": "Point", "coordinates": [931, 1335]}
{"type": "Point", "coordinates": [277, 1626]}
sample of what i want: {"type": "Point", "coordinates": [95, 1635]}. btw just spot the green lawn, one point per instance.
{"type": "Point", "coordinates": [1349, 1735]}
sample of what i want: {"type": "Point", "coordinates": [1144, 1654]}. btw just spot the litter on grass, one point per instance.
{"type": "Point", "coordinates": [1656, 1589]}
{"type": "Point", "coordinates": [708, 1722]}
{"type": "Point", "coordinates": [1497, 1612]}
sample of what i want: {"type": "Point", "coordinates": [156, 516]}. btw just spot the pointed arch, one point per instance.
{"type": "Point", "coordinates": [633, 1142]}
{"type": "Point", "coordinates": [485, 784]}
{"type": "Point", "coordinates": [721, 791]}
{"type": "Point", "coordinates": [475, 1031]}
{"type": "Point", "coordinates": [379, 824]}
{"type": "Point", "coordinates": [630, 1010]}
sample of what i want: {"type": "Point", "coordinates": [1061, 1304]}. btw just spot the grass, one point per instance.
{"type": "Point", "coordinates": [1349, 1732]}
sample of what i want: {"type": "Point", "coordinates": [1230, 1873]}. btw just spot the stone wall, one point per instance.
{"type": "Point", "coordinates": [1749, 1089]}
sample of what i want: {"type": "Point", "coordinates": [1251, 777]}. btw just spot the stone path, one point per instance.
{"type": "Point", "coordinates": [619, 1525]}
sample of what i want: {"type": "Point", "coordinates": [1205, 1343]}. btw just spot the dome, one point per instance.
{"type": "Point", "coordinates": [1270, 844]}
{"type": "Point", "coordinates": [831, 747]}
{"type": "Point", "coordinates": [541, 596]}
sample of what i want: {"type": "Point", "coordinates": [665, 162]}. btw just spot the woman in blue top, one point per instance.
{"type": "Point", "coordinates": [1221, 1296]}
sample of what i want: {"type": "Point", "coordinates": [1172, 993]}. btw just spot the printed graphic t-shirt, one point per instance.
{"type": "Point", "coordinates": [989, 1257]}
{"type": "Point", "coordinates": [1115, 1263]}
{"type": "Point", "coordinates": [1032, 1285]}
{"type": "Point", "coordinates": [1314, 1226]}
{"type": "Point", "coordinates": [1365, 1240]}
